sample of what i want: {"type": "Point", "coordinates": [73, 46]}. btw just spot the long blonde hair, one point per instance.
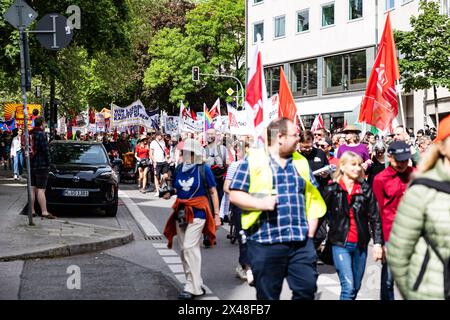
{"type": "Point", "coordinates": [345, 158]}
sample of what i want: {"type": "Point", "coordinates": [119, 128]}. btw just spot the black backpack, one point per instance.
{"type": "Point", "coordinates": [441, 186]}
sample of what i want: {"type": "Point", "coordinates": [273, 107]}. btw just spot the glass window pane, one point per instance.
{"type": "Point", "coordinates": [257, 1]}
{"type": "Point", "coordinates": [328, 15]}
{"type": "Point", "coordinates": [333, 74]}
{"type": "Point", "coordinates": [357, 70]}
{"type": "Point", "coordinates": [275, 80]}
{"type": "Point", "coordinates": [279, 27]}
{"type": "Point", "coordinates": [312, 77]}
{"type": "Point", "coordinates": [258, 28]}
{"type": "Point", "coordinates": [304, 78]}
{"type": "Point", "coordinates": [356, 9]}
{"type": "Point", "coordinates": [303, 21]}
{"type": "Point", "coordinates": [390, 4]}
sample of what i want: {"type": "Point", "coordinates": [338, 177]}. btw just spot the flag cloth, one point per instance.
{"type": "Point", "coordinates": [8, 125]}
{"type": "Point", "coordinates": [215, 109]}
{"type": "Point", "coordinates": [208, 119]}
{"type": "Point", "coordinates": [287, 107]}
{"type": "Point", "coordinates": [379, 105]}
{"type": "Point", "coordinates": [256, 96]}
{"type": "Point", "coordinates": [318, 123]}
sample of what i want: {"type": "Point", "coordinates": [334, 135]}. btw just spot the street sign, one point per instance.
{"type": "Point", "coordinates": [53, 32]}
{"type": "Point", "coordinates": [20, 14]}
{"type": "Point", "coordinates": [230, 91]}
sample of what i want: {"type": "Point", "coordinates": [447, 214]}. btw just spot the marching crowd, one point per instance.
{"type": "Point", "coordinates": [307, 197]}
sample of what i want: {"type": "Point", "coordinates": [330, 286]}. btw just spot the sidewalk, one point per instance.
{"type": "Point", "coordinates": [47, 238]}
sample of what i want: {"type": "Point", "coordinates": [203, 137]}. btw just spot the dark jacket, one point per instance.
{"type": "Point", "coordinates": [365, 210]}
{"type": "Point", "coordinates": [41, 160]}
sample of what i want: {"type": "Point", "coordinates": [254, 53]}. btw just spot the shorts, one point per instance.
{"type": "Point", "coordinates": [39, 178]}
{"type": "Point", "coordinates": [143, 164]}
{"type": "Point", "coordinates": [161, 168]}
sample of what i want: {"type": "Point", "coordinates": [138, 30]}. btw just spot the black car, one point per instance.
{"type": "Point", "coordinates": [81, 175]}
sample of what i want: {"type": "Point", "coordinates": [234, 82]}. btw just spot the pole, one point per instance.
{"type": "Point", "coordinates": [25, 116]}
{"type": "Point", "coordinates": [399, 90]}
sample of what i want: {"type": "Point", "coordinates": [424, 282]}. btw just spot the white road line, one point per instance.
{"type": "Point", "coordinates": [176, 268]}
{"type": "Point", "coordinates": [325, 281]}
{"type": "Point", "coordinates": [159, 245]}
{"type": "Point", "coordinates": [172, 260]}
{"type": "Point", "coordinates": [142, 221]}
{"type": "Point", "coordinates": [167, 252]}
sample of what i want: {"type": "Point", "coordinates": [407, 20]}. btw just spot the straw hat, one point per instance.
{"type": "Point", "coordinates": [351, 128]}
{"type": "Point", "coordinates": [143, 137]}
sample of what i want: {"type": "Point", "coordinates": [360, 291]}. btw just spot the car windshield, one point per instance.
{"type": "Point", "coordinates": [78, 154]}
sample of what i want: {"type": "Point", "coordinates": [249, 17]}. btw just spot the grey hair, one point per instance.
{"type": "Point", "coordinates": [379, 145]}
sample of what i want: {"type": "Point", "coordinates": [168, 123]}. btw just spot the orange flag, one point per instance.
{"type": "Point", "coordinates": [287, 107]}
{"type": "Point", "coordinates": [380, 106]}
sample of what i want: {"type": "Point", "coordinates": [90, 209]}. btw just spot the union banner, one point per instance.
{"type": "Point", "coordinates": [15, 111]}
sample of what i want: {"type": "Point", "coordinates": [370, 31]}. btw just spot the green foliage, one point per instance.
{"type": "Point", "coordinates": [213, 40]}
{"type": "Point", "coordinates": [426, 49]}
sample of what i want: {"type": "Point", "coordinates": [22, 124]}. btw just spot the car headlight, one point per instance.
{"type": "Point", "coordinates": [107, 175]}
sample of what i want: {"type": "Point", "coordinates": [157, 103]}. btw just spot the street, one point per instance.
{"type": "Point", "coordinates": [145, 268]}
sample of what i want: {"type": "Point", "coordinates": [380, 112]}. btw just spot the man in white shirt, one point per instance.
{"type": "Point", "coordinates": [159, 158]}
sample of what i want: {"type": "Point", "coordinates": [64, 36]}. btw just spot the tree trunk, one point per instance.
{"type": "Point", "coordinates": [436, 106]}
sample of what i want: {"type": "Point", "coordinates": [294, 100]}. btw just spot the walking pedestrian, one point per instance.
{"type": "Point", "coordinates": [40, 166]}
{"type": "Point", "coordinates": [159, 158]}
{"type": "Point", "coordinates": [419, 246]}
{"type": "Point", "coordinates": [378, 161]}
{"type": "Point", "coordinates": [195, 211]}
{"type": "Point", "coordinates": [352, 144]}
{"type": "Point", "coordinates": [16, 153]}
{"type": "Point", "coordinates": [281, 206]}
{"type": "Point", "coordinates": [389, 187]}
{"type": "Point", "coordinates": [142, 155]}
{"type": "Point", "coordinates": [351, 207]}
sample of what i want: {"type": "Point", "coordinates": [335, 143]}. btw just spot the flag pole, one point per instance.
{"type": "Point", "coordinates": [301, 121]}
{"type": "Point", "coordinates": [401, 103]}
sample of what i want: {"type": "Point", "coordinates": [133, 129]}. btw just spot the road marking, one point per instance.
{"type": "Point", "coordinates": [167, 252]}
{"type": "Point", "coordinates": [326, 281]}
{"type": "Point", "coordinates": [142, 221]}
{"type": "Point", "coordinates": [160, 245]}
{"type": "Point", "coordinates": [171, 260]}
{"type": "Point", "coordinates": [176, 268]}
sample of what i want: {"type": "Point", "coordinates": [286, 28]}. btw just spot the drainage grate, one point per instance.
{"type": "Point", "coordinates": [154, 238]}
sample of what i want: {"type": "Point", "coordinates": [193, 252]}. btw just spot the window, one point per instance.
{"type": "Point", "coordinates": [356, 9]}
{"type": "Point", "coordinates": [272, 76]}
{"type": "Point", "coordinates": [390, 4]}
{"type": "Point", "coordinates": [257, 1]}
{"type": "Point", "coordinates": [304, 78]}
{"type": "Point", "coordinates": [280, 27]}
{"type": "Point", "coordinates": [303, 20]}
{"type": "Point", "coordinates": [345, 72]}
{"type": "Point", "coordinates": [258, 28]}
{"type": "Point", "coordinates": [328, 15]}
{"type": "Point", "coordinates": [445, 7]}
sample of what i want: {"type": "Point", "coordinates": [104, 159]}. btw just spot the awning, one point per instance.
{"type": "Point", "coordinates": [328, 105]}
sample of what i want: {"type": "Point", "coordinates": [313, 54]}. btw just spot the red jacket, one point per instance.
{"type": "Point", "coordinates": [201, 203]}
{"type": "Point", "coordinates": [389, 187]}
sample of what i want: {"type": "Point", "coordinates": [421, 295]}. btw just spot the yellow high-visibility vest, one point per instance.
{"type": "Point", "coordinates": [261, 185]}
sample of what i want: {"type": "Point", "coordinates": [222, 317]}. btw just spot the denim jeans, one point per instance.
{"type": "Point", "coordinates": [350, 263]}
{"type": "Point", "coordinates": [387, 283]}
{"type": "Point", "coordinates": [243, 257]}
{"type": "Point", "coordinates": [271, 263]}
{"type": "Point", "coordinates": [18, 163]}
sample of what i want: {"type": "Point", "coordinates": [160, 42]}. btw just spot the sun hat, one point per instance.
{"type": "Point", "coordinates": [143, 137]}
{"type": "Point", "coordinates": [351, 128]}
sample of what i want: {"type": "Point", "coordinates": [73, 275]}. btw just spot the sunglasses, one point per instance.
{"type": "Point", "coordinates": [318, 134]}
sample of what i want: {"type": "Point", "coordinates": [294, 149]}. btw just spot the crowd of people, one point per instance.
{"type": "Point", "coordinates": [307, 198]}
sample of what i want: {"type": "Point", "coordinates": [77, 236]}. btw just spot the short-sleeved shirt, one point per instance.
{"type": "Point", "coordinates": [189, 185]}
{"type": "Point", "coordinates": [142, 152]}
{"type": "Point", "coordinates": [158, 150]}
{"type": "Point", "coordinates": [232, 169]}
{"type": "Point", "coordinates": [287, 223]}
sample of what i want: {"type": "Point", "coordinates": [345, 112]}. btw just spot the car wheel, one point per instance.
{"type": "Point", "coordinates": [111, 211]}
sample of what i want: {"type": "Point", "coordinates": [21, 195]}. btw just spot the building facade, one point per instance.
{"type": "Point", "coordinates": [327, 49]}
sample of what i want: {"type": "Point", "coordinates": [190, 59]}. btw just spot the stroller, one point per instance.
{"type": "Point", "coordinates": [127, 170]}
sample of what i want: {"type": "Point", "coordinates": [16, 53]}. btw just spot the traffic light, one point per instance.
{"type": "Point", "coordinates": [195, 74]}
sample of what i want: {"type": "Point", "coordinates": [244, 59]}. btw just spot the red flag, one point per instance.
{"type": "Point", "coordinates": [318, 123]}
{"type": "Point", "coordinates": [380, 106]}
{"type": "Point", "coordinates": [192, 114]}
{"type": "Point", "coordinates": [215, 109]}
{"type": "Point", "coordinates": [287, 108]}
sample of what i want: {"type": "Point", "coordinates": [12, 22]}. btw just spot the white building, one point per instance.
{"type": "Point", "coordinates": [327, 49]}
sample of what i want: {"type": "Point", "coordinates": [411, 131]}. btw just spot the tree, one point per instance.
{"type": "Point", "coordinates": [426, 50]}
{"type": "Point", "coordinates": [213, 39]}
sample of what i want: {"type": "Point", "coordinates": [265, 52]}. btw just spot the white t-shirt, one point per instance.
{"type": "Point", "coordinates": [158, 150]}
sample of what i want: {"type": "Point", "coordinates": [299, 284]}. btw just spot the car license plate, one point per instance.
{"type": "Point", "coordinates": [76, 193]}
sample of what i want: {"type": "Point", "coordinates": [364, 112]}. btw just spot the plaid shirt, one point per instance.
{"type": "Point", "coordinates": [287, 222]}
{"type": "Point", "coordinates": [42, 158]}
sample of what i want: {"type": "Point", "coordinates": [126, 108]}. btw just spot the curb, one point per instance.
{"type": "Point", "coordinates": [73, 249]}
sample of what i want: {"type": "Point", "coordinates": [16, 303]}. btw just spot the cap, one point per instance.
{"type": "Point", "coordinates": [351, 128]}
{"type": "Point", "coordinates": [400, 150]}
{"type": "Point", "coordinates": [143, 137]}
{"type": "Point", "coordinates": [444, 130]}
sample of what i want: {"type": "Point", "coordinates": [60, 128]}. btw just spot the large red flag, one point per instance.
{"type": "Point", "coordinates": [287, 107]}
{"type": "Point", "coordinates": [215, 109]}
{"type": "Point", "coordinates": [380, 106]}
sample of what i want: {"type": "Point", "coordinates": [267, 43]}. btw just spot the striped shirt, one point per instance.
{"type": "Point", "coordinates": [287, 222]}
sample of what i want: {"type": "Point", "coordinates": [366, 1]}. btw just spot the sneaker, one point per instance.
{"type": "Point", "coordinates": [240, 272]}
{"type": "Point", "coordinates": [250, 278]}
{"type": "Point", "coordinates": [16, 177]}
{"type": "Point", "coordinates": [156, 194]}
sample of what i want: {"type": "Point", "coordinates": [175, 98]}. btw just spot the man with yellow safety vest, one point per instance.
{"type": "Point", "coordinates": [281, 206]}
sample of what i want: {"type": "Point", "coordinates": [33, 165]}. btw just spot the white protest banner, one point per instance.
{"type": "Point", "coordinates": [81, 129]}
{"type": "Point", "coordinates": [190, 125]}
{"type": "Point", "coordinates": [91, 127]}
{"type": "Point", "coordinates": [132, 115]}
{"type": "Point", "coordinates": [239, 122]}
{"type": "Point", "coordinates": [171, 124]}
{"type": "Point", "coordinates": [62, 127]}
{"type": "Point", "coordinates": [272, 113]}
{"type": "Point", "coordinates": [100, 122]}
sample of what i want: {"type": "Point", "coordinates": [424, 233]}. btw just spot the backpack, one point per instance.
{"type": "Point", "coordinates": [442, 187]}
